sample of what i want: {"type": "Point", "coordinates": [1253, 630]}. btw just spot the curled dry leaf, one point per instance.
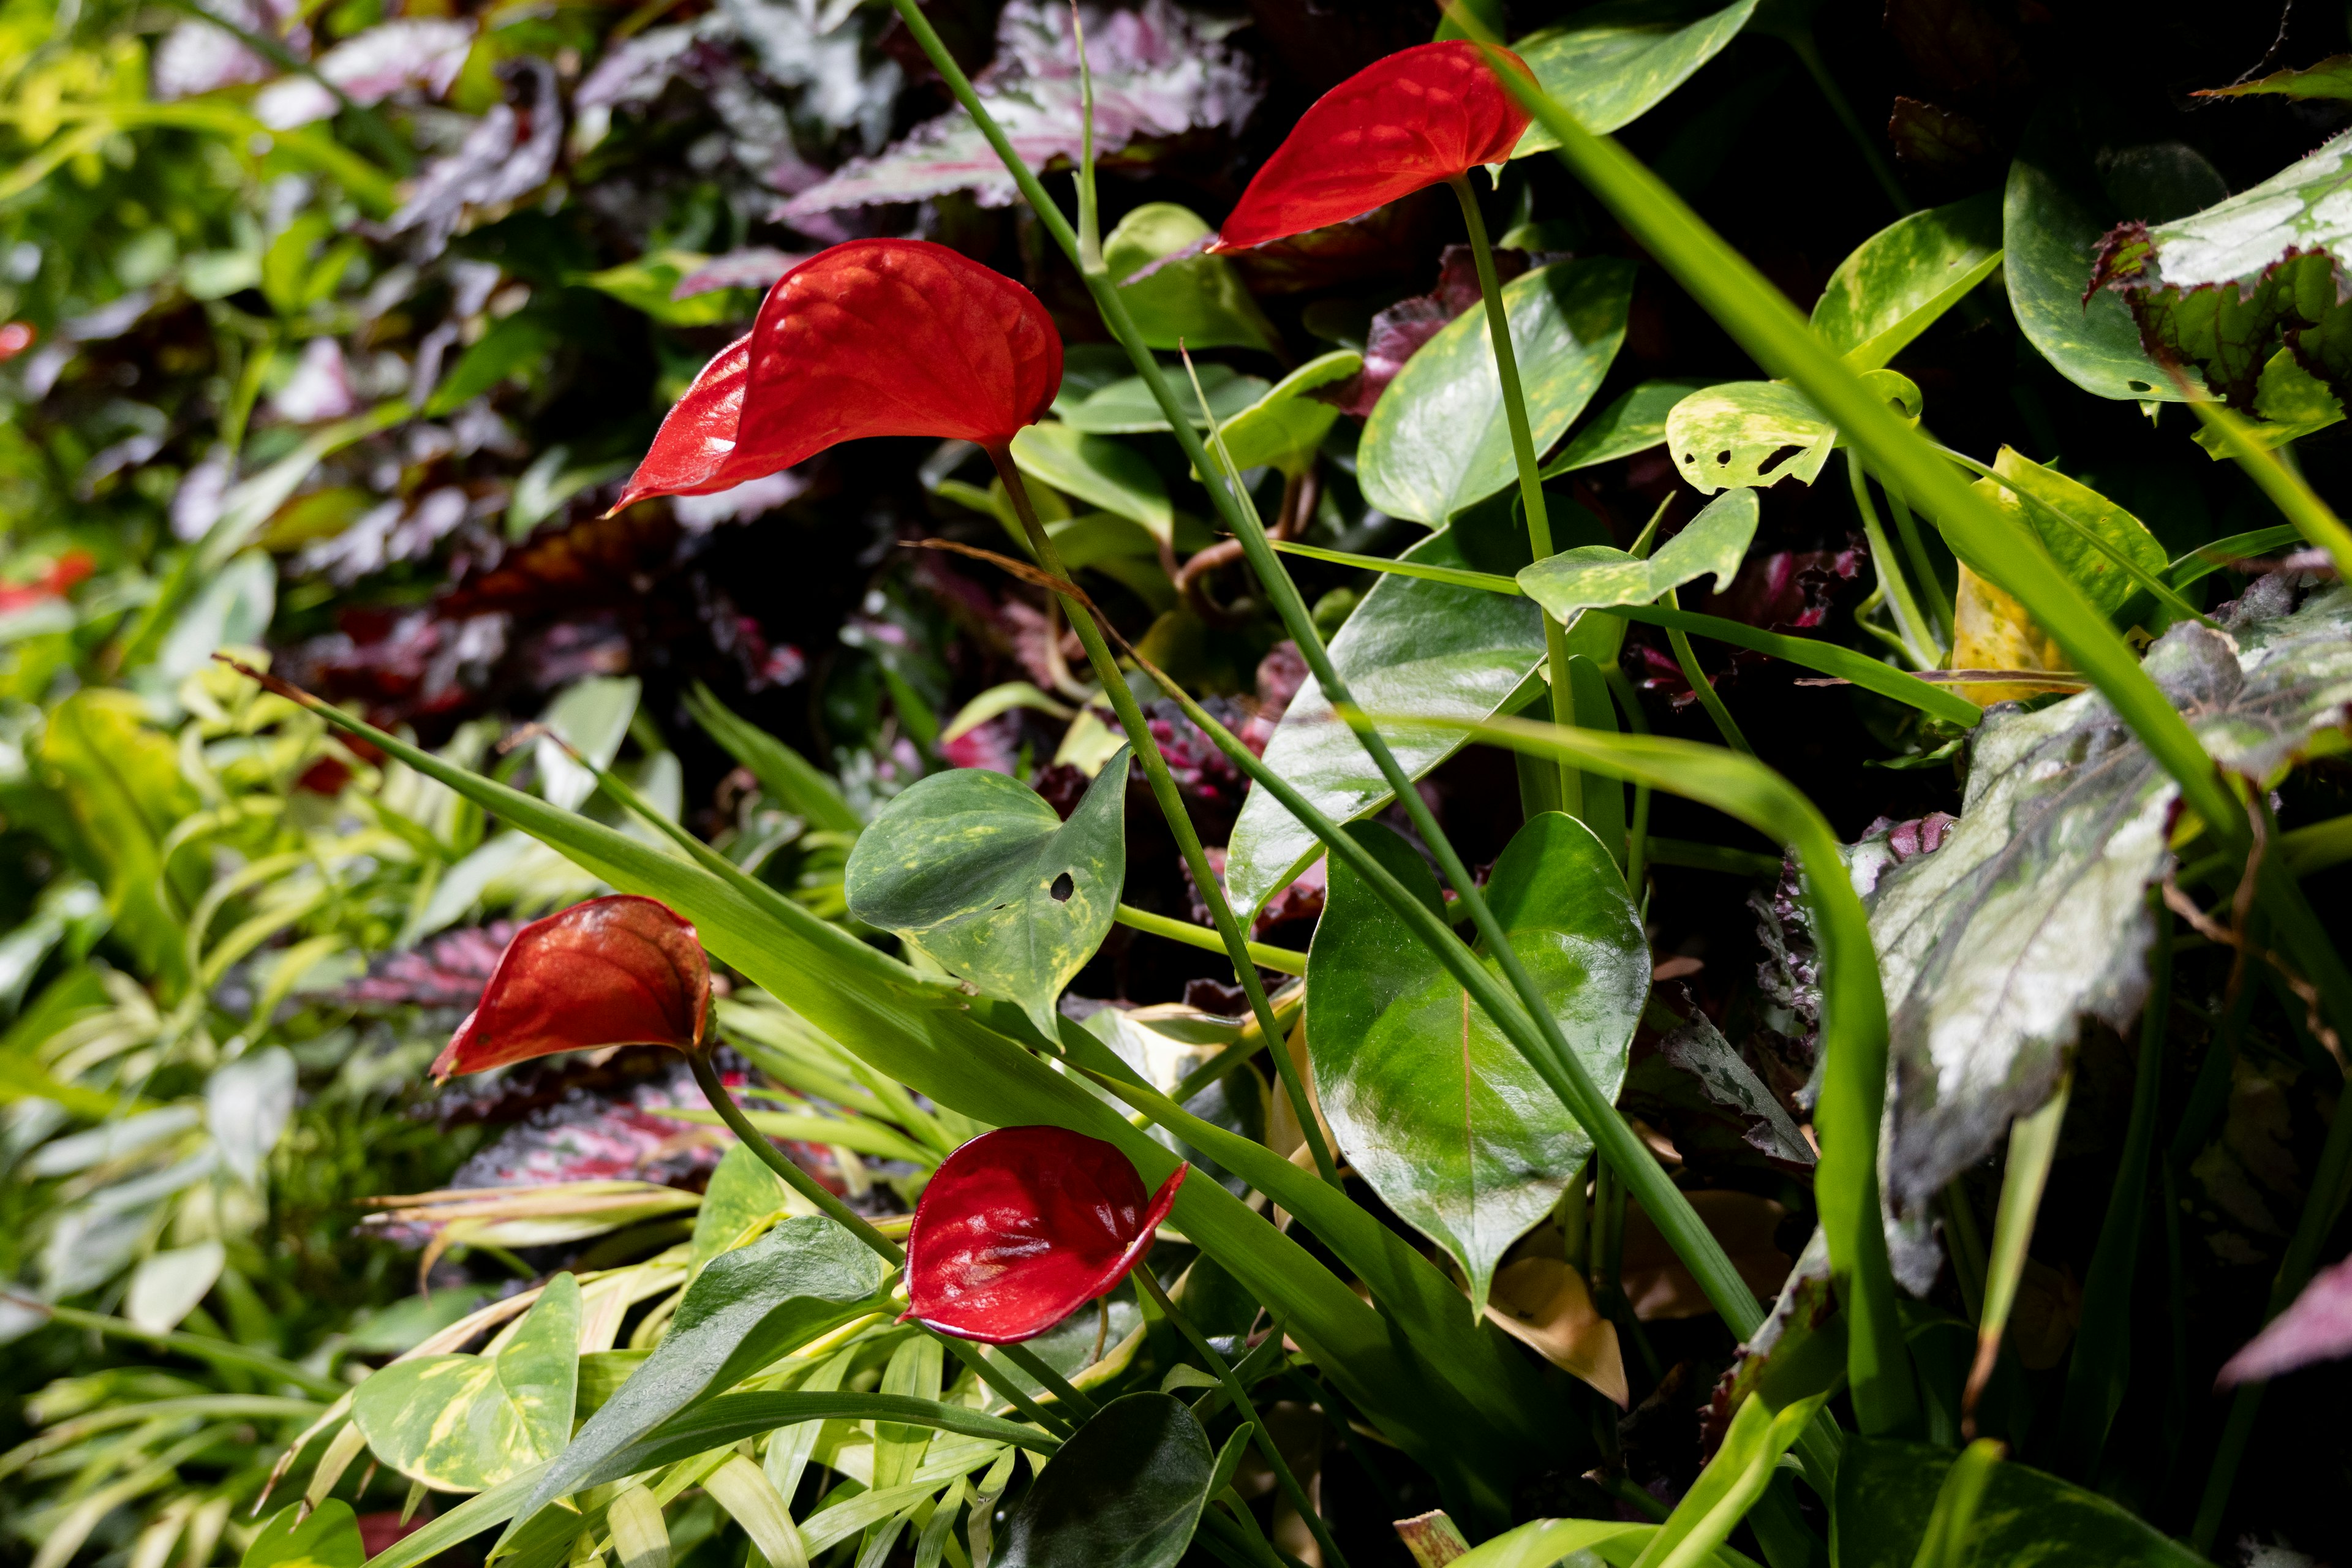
{"type": "Point", "coordinates": [615, 971]}
{"type": "Point", "coordinates": [877, 337]}
{"type": "Point", "coordinates": [1023, 1226]}
{"type": "Point", "coordinates": [1419, 117]}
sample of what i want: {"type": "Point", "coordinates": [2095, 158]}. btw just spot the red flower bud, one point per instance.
{"type": "Point", "coordinates": [1422, 115]}
{"type": "Point", "coordinates": [877, 337]}
{"type": "Point", "coordinates": [1023, 1226]}
{"type": "Point", "coordinates": [618, 971]}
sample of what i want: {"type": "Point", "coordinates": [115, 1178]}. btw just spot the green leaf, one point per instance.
{"type": "Point", "coordinates": [1126, 406]}
{"type": "Point", "coordinates": [120, 778]}
{"type": "Point", "coordinates": [2054, 214]}
{"type": "Point", "coordinates": [977, 870]}
{"type": "Point", "coordinates": [1126, 1492]}
{"type": "Point", "coordinates": [1899, 281]}
{"type": "Point", "coordinates": [1412, 647]}
{"type": "Point", "coordinates": [1617, 62]}
{"type": "Point", "coordinates": [1734, 1480]}
{"type": "Point", "coordinates": [2331, 78]}
{"type": "Point", "coordinates": [2103, 581]}
{"type": "Point", "coordinates": [1435, 1109]}
{"type": "Point", "coordinates": [465, 1423]}
{"type": "Point", "coordinates": [2031, 916]}
{"type": "Point", "coordinates": [1593, 575]}
{"type": "Point", "coordinates": [1437, 442]}
{"type": "Point", "coordinates": [1886, 1493]}
{"type": "Point", "coordinates": [1099, 472]}
{"type": "Point", "coordinates": [327, 1538]}
{"type": "Point", "coordinates": [1754, 434]}
{"type": "Point", "coordinates": [1285, 427]}
{"type": "Point", "coordinates": [1634, 422]}
{"type": "Point", "coordinates": [728, 1419]}
{"type": "Point", "coordinates": [648, 283]}
{"type": "Point", "coordinates": [804, 1277]}
{"type": "Point", "coordinates": [513, 346]}
{"type": "Point", "coordinates": [789, 778]}
{"type": "Point", "coordinates": [2225, 289]}
{"type": "Point", "coordinates": [741, 1193]}
{"type": "Point", "coordinates": [1198, 303]}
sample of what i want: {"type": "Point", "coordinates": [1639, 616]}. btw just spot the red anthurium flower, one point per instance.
{"type": "Point", "coordinates": [1023, 1226]}
{"type": "Point", "coordinates": [68, 569]}
{"type": "Point", "coordinates": [877, 337]}
{"type": "Point", "coordinates": [1422, 115]}
{"type": "Point", "coordinates": [619, 971]}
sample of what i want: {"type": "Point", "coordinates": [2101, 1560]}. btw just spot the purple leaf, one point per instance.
{"type": "Point", "coordinates": [422, 52]}
{"type": "Point", "coordinates": [508, 155]}
{"type": "Point", "coordinates": [2316, 1327]}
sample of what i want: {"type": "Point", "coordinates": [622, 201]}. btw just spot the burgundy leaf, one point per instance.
{"type": "Point", "coordinates": [1023, 1226]}
{"type": "Point", "coordinates": [615, 971]}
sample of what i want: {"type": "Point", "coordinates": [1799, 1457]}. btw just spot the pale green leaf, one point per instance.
{"type": "Point", "coordinates": [1612, 63]}
{"type": "Point", "coordinates": [1898, 282]}
{"type": "Point", "coordinates": [1101, 472]}
{"type": "Point", "coordinates": [1594, 575]}
{"type": "Point", "coordinates": [1196, 302]}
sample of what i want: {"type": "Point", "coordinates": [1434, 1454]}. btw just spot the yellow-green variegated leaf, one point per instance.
{"type": "Point", "coordinates": [1594, 575]}
{"type": "Point", "coordinates": [1752, 435]}
{"type": "Point", "coordinates": [465, 1423]}
{"type": "Point", "coordinates": [976, 869]}
{"type": "Point", "coordinates": [1612, 63]}
{"type": "Point", "coordinates": [1897, 282]}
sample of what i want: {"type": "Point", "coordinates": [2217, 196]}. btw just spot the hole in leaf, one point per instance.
{"type": "Point", "coordinates": [1723, 458]}
{"type": "Point", "coordinates": [2139, 386]}
{"type": "Point", "coordinates": [1063, 888]}
{"type": "Point", "coordinates": [1780, 455]}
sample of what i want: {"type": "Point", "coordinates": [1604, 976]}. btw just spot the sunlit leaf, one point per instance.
{"type": "Point", "coordinates": [1284, 427]}
{"type": "Point", "coordinates": [1102, 473]}
{"type": "Point", "coordinates": [2022, 483]}
{"type": "Point", "coordinates": [1593, 575]}
{"type": "Point", "coordinates": [1193, 302]}
{"type": "Point", "coordinates": [294, 1537]}
{"type": "Point", "coordinates": [1613, 63]}
{"type": "Point", "coordinates": [1897, 282]}
{"type": "Point", "coordinates": [465, 1423]}
{"type": "Point", "coordinates": [1754, 434]}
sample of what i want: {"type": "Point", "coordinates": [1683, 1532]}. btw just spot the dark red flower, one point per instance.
{"type": "Point", "coordinates": [618, 971]}
{"type": "Point", "coordinates": [1023, 1226]}
{"type": "Point", "coordinates": [1420, 116]}
{"type": "Point", "coordinates": [877, 337]}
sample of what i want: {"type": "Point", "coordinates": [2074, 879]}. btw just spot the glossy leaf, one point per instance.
{"type": "Point", "coordinates": [1126, 406]}
{"type": "Point", "coordinates": [2030, 914]}
{"type": "Point", "coordinates": [1547, 1542]}
{"type": "Point", "coordinates": [1634, 422]}
{"type": "Point", "coordinates": [1754, 434]}
{"type": "Point", "coordinates": [1412, 647]}
{"type": "Point", "coordinates": [613, 971]}
{"type": "Point", "coordinates": [742, 1193]}
{"type": "Point", "coordinates": [1614, 62]}
{"type": "Point", "coordinates": [1593, 576]}
{"type": "Point", "coordinates": [1886, 1494]}
{"type": "Point", "coordinates": [1107, 474]}
{"type": "Point", "coordinates": [2053, 212]}
{"type": "Point", "coordinates": [1126, 1492]}
{"type": "Point", "coordinates": [1193, 301]}
{"type": "Point", "coordinates": [748, 1307]}
{"type": "Point", "coordinates": [1437, 442]}
{"type": "Point", "coordinates": [465, 1423]}
{"type": "Point", "coordinates": [1403, 123]}
{"type": "Point", "coordinates": [1023, 1226]}
{"type": "Point", "coordinates": [1432, 1106]}
{"type": "Point", "coordinates": [1898, 282]}
{"type": "Point", "coordinates": [296, 1536]}
{"type": "Point", "coordinates": [1283, 427]}
{"type": "Point", "coordinates": [2023, 482]}
{"type": "Point", "coordinates": [977, 870]}
{"type": "Point", "coordinates": [877, 337]}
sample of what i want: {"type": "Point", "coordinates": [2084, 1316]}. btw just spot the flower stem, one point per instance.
{"type": "Point", "coordinates": [1918, 641]}
{"type": "Point", "coordinates": [1332, 1557]}
{"type": "Point", "coordinates": [1704, 688]}
{"type": "Point", "coordinates": [1172, 806]}
{"type": "Point", "coordinates": [1523, 453]}
{"type": "Point", "coordinates": [706, 1075]}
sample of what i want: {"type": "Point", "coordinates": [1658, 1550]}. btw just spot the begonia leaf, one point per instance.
{"type": "Point", "coordinates": [1022, 1227]}
{"type": "Point", "coordinates": [614, 971]}
{"type": "Point", "coordinates": [1417, 118]}
{"type": "Point", "coordinates": [877, 337]}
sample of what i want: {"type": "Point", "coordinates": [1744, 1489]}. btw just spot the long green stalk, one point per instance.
{"type": "Point", "coordinates": [2311, 516]}
{"type": "Point", "coordinates": [1701, 687]}
{"type": "Point", "coordinates": [1548, 1050]}
{"type": "Point", "coordinates": [1918, 641]}
{"type": "Point", "coordinates": [1282, 960]}
{"type": "Point", "coordinates": [1523, 453]}
{"type": "Point", "coordinates": [2032, 1144]}
{"type": "Point", "coordinates": [1170, 802]}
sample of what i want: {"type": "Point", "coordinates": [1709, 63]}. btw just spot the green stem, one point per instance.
{"type": "Point", "coordinates": [1918, 642]}
{"type": "Point", "coordinates": [1637, 837]}
{"type": "Point", "coordinates": [1701, 687]}
{"type": "Point", "coordinates": [1523, 453]}
{"type": "Point", "coordinates": [1543, 1043]}
{"type": "Point", "coordinates": [706, 1076]}
{"type": "Point", "coordinates": [2288, 490]}
{"type": "Point", "coordinates": [1235, 940]}
{"type": "Point", "coordinates": [1922, 563]}
{"type": "Point", "coordinates": [1280, 959]}
{"type": "Point", "coordinates": [1266, 1445]}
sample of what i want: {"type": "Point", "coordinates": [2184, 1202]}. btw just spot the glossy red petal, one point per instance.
{"type": "Point", "coordinates": [1022, 1227]}
{"type": "Point", "coordinates": [694, 451]}
{"type": "Point", "coordinates": [617, 971]}
{"type": "Point", "coordinates": [1420, 116]}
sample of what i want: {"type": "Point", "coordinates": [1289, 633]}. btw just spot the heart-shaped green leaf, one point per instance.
{"type": "Point", "coordinates": [1899, 281]}
{"type": "Point", "coordinates": [976, 869]}
{"type": "Point", "coordinates": [1593, 576]}
{"type": "Point", "coordinates": [1101, 473]}
{"type": "Point", "coordinates": [465, 1423]}
{"type": "Point", "coordinates": [1617, 62]}
{"type": "Point", "coordinates": [1125, 407]}
{"type": "Point", "coordinates": [1754, 434]}
{"type": "Point", "coordinates": [1126, 1492]}
{"type": "Point", "coordinates": [1435, 1109]}
{"type": "Point", "coordinates": [1283, 427]}
{"type": "Point", "coordinates": [1437, 443]}
{"type": "Point", "coordinates": [1197, 302]}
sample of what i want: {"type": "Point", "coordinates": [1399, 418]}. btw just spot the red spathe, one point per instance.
{"type": "Point", "coordinates": [617, 971]}
{"type": "Point", "coordinates": [1022, 1227]}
